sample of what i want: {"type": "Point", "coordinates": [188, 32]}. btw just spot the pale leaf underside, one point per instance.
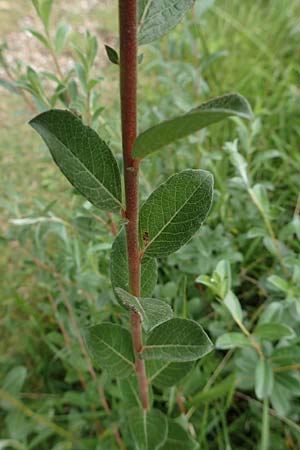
{"type": "Point", "coordinates": [179, 127]}
{"type": "Point", "coordinates": [157, 17]}
{"type": "Point", "coordinates": [152, 311]}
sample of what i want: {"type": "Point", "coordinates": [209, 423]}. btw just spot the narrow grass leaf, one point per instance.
{"type": "Point", "coordinates": [119, 267]}
{"type": "Point", "coordinates": [110, 345]}
{"type": "Point", "coordinates": [179, 127]}
{"type": "Point", "coordinates": [217, 391]}
{"type": "Point", "coordinates": [175, 211]}
{"type": "Point", "coordinates": [177, 340]}
{"type": "Point", "coordinates": [9, 86]}
{"type": "Point", "coordinates": [82, 156]}
{"type": "Point", "coordinates": [149, 429]}
{"type": "Point", "coordinates": [151, 310]}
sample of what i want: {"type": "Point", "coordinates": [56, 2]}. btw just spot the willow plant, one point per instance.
{"type": "Point", "coordinates": [151, 347]}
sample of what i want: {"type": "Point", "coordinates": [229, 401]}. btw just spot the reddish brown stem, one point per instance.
{"type": "Point", "coordinates": [128, 95]}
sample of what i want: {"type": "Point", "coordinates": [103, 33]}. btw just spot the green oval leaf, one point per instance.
{"type": "Point", "coordinates": [9, 86]}
{"type": "Point", "coordinates": [82, 156]}
{"type": "Point", "coordinates": [264, 379]}
{"type": "Point", "coordinates": [232, 303]}
{"type": "Point", "coordinates": [43, 8]}
{"type": "Point", "coordinates": [119, 267]}
{"type": "Point", "coordinates": [14, 380]}
{"type": "Point", "coordinates": [61, 37]}
{"type": "Point", "coordinates": [178, 438]}
{"type": "Point", "coordinates": [158, 17]}
{"type": "Point", "coordinates": [175, 211]}
{"type": "Point", "coordinates": [177, 340]}
{"type": "Point", "coordinates": [286, 355]}
{"type": "Point", "coordinates": [149, 429]}
{"type": "Point", "coordinates": [232, 340]}
{"type": "Point", "coordinates": [112, 54]}
{"type": "Point", "coordinates": [39, 36]}
{"type": "Point", "coordinates": [273, 331]}
{"type": "Point", "coordinates": [166, 374]}
{"type": "Point", "coordinates": [151, 310]}
{"type": "Point", "coordinates": [110, 345]}
{"type": "Point", "coordinates": [179, 127]}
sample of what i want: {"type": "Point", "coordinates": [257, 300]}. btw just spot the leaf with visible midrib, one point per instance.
{"type": "Point", "coordinates": [273, 331]}
{"type": "Point", "coordinates": [119, 267]}
{"type": "Point", "coordinates": [130, 393]}
{"type": "Point", "coordinates": [110, 345]}
{"type": "Point", "coordinates": [264, 379]}
{"type": "Point", "coordinates": [151, 310]}
{"type": "Point", "coordinates": [177, 340]}
{"type": "Point", "coordinates": [178, 438]}
{"type": "Point", "coordinates": [174, 212]}
{"type": "Point", "coordinates": [157, 17]}
{"type": "Point", "coordinates": [166, 374]}
{"type": "Point", "coordinates": [82, 156]}
{"type": "Point", "coordinates": [149, 429]}
{"type": "Point", "coordinates": [179, 127]}
{"type": "Point", "coordinates": [232, 340]}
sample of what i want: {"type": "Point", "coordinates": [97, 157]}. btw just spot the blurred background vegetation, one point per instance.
{"type": "Point", "coordinates": [55, 246]}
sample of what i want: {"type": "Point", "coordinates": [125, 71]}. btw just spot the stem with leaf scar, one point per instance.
{"type": "Point", "coordinates": [128, 95]}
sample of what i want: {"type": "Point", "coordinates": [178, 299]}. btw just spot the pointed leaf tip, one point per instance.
{"type": "Point", "coordinates": [83, 157]}
{"type": "Point", "coordinates": [198, 118]}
